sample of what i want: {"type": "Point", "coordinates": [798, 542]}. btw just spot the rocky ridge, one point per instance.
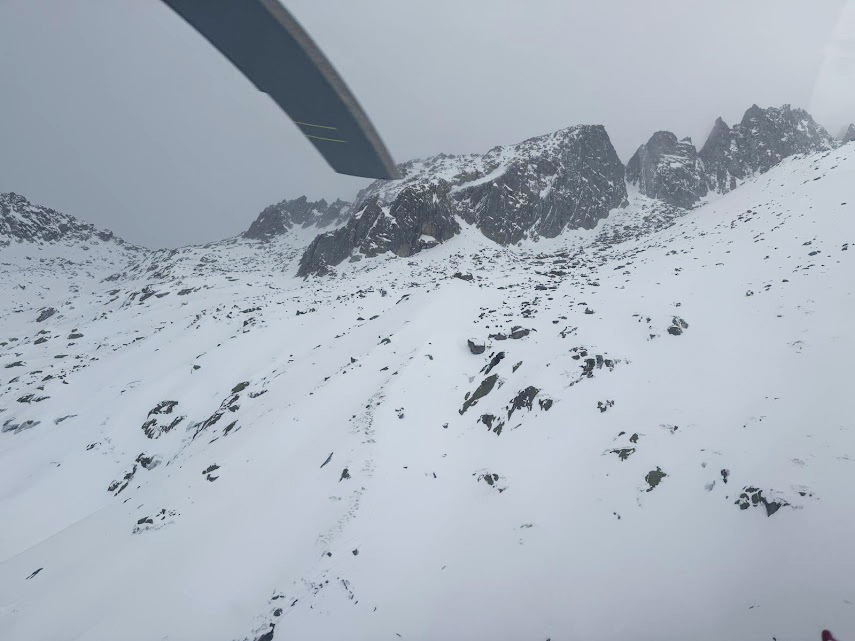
{"type": "Point", "coordinates": [570, 179]}
{"type": "Point", "coordinates": [23, 221]}
{"type": "Point", "coordinates": [669, 170]}
{"type": "Point", "coordinates": [420, 217]}
{"type": "Point", "coordinates": [285, 215]}
{"type": "Point", "coordinates": [760, 141]}
{"type": "Point", "coordinates": [539, 188]}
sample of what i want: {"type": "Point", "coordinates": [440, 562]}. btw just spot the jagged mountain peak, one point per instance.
{"type": "Point", "coordinates": [848, 134]}
{"type": "Point", "coordinates": [571, 179]}
{"type": "Point", "coordinates": [772, 113]}
{"type": "Point", "coordinates": [568, 179]}
{"type": "Point", "coordinates": [669, 170]}
{"type": "Point", "coordinates": [761, 140]}
{"type": "Point", "coordinates": [460, 170]}
{"type": "Point", "coordinates": [281, 217]}
{"type": "Point", "coordinates": [720, 131]}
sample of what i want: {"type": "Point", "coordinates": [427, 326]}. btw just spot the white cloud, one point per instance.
{"type": "Point", "coordinates": [833, 102]}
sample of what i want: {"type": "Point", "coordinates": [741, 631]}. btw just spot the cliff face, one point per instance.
{"type": "Point", "coordinates": [760, 141]}
{"type": "Point", "coordinates": [669, 170]}
{"type": "Point", "coordinates": [421, 216]}
{"type": "Point", "coordinates": [285, 215]}
{"type": "Point", "coordinates": [569, 179]}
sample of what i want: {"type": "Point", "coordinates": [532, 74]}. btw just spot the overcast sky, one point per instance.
{"type": "Point", "coordinates": [117, 112]}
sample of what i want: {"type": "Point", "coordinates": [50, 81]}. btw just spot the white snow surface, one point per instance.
{"type": "Point", "coordinates": [571, 538]}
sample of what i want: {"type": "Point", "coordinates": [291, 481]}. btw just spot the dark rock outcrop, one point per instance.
{"type": "Point", "coordinates": [523, 400]}
{"type": "Point", "coordinates": [11, 426]}
{"type": "Point", "coordinates": [155, 426]}
{"type": "Point", "coordinates": [848, 135]}
{"type": "Point", "coordinates": [46, 313]}
{"type": "Point", "coordinates": [678, 325]}
{"type": "Point", "coordinates": [484, 388]}
{"type": "Point", "coordinates": [421, 216]}
{"type": "Point", "coordinates": [753, 497]}
{"type": "Point", "coordinates": [476, 346]}
{"type": "Point", "coordinates": [758, 143]}
{"type": "Point", "coordinates": [285, 215]}
{"type": "Point", "coordinates": [669, 170]}
{"type": "Point", "coordinates": [569, 179]}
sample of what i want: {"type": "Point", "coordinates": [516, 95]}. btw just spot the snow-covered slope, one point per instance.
{"type": "Point", "coordinates": [655, 443]}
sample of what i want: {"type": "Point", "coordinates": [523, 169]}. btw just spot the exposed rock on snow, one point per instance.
{"type": "Point", "coordinates": [523, 400]}
{"type": "Point", "coordinates": [677, 326]}
{"type": "Point", "coordinates": [753, 497]}
{"type": "Point", "coordinates": [45, 314]}
{"type": "Point", "coordinates": [481, 391]}
{"type": "Point", "coordinates": [117, 487]}
{"type": "Point", "coordinates": [654, 478]}
{"type": "Point", "coordinates": [156, 521]}
{"type": "Point", "coordinates": [159, 421]}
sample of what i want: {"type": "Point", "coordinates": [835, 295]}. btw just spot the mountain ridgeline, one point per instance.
{"type": "Point", "coordinates": [570, 179]}
{"type": "Point", "coordinates": [22, 221]}
{"type": "Point", "coordinates": [285, 215]}
{"type": "Point", "coordinates": [565, 180]}
{"type": "Point", "coordinates": [759, 142]}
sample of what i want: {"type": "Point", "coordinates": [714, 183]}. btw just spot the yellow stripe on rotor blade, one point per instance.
{"type": "Point", "coordinates": [308, 124]}
{"type": "Point", "coordinates": [321, 138]}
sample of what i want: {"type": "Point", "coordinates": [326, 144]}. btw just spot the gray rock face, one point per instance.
{"type": "Point", "coordinates": [22, 221]}
{"type": "Point", "coordinates": [421, 216]}
{"type": "Point", "coordinates": [758, 143]}
{"type": "Point", "coordinates": [569, 179]}
{"type": "Point", "coordinates": [669, 170]}
{"type": "Point", "coordinates": [285, 215]}
{"type": "Point", "coordinates": [848, 135]}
